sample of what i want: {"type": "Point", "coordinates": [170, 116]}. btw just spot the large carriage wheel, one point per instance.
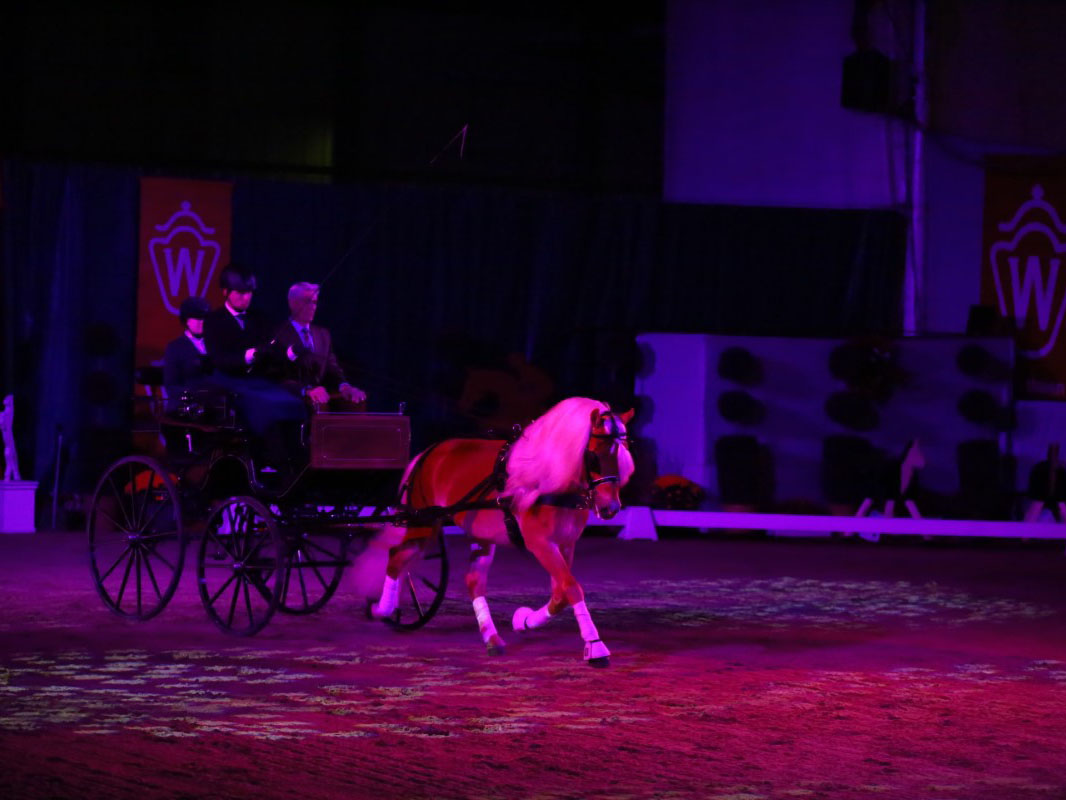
{"type": "Point", "coordinates": [313, 571]}
{"type": "Point", "coordinates": [240, 566]}
{"type": "Point", "coordinates": [423, 585]}
{"type": "Point", "coordinates": [136, 537]}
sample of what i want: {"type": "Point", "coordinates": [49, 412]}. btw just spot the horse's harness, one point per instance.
{"type": "Point", "coordinates": [478, 498]}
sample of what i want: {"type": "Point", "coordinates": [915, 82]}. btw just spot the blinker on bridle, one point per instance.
{"type": "Point", "coordinates": [592, 459]}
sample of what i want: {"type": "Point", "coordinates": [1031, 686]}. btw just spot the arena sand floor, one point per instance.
{"type": "Point", "coordinates": [742, 669]}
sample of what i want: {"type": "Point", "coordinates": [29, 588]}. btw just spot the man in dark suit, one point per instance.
{"type": "Point", "coordinates": [236, 336]}
{"type": "Point", "coordinates": [239, 344]}
{"type": "Point", "coordinates": [310, 367]}
{"type": "Point", "coordinates": [185, 361]}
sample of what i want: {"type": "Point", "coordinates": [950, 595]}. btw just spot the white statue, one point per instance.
{"type": "Point", "coordinates": [7, 427]}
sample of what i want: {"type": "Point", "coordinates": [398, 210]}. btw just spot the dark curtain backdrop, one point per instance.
{"type": "Point", "coordinates": [421, 284]}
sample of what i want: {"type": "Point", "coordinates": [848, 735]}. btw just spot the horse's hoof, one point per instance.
{"type": "Point", "coordinates": [602, 661]}
{"type": "Point", "coordinates": [496, 646]}
{"type": "Point", "coordinates": [518, 621]}
{"type": "Point", "coordinates": [372, 614]}
{"type": "Point", "coordinates": [596, 653]}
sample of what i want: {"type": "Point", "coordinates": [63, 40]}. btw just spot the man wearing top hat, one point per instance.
{"type": "Point", "coordinates": [238, 341]}
{"type": "Point", "coordinates": [235, 335]}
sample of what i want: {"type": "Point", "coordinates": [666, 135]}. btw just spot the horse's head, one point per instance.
{"type": "Point", "coordinates": [608, 464]}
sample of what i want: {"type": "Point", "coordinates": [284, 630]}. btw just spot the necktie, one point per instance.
{"type": "Point", "coordinates": [305, 334]}
{"type": "Point", "coordinates": [240, 319]}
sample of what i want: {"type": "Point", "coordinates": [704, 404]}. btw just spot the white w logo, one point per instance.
{"type": "Point", "coordinates": [185, 226]}
{"type": "Point", "coordinates": [1037, 238]}
{"type": "Point", "coordinates": [184, 266]}
{"type": "Point", "coordinates": [1033, 286]}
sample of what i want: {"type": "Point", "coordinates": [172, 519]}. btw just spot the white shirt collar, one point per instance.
{"type": "Point", "coordinates": [198, 343]}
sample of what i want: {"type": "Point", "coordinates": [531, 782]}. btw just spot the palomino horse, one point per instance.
{"type": "Point", "coordinates": [536, 492]}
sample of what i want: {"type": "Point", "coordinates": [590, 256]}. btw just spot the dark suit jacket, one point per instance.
{"type": "Point", "coordinates": [227, 342]}
{"type": "Point", "coordinates": [316, 368]}
{"type": "Point", "coordinates": [183, 367]}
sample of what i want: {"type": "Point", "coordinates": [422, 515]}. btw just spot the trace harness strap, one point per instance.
{"type": "Point", "coordinates": [476, 499]}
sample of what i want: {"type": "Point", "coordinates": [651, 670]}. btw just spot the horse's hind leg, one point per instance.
{"type": "Point", "coordinates": [399, 557]}
{"type": "Point", "coordinates": [477, 579]}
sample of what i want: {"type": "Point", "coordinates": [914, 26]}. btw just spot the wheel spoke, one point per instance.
{"type": "Point", "coordinates": [141, 522]}
{"type": "Point", "coordinates": [133, 495]}
{"type": "Point", "coordinates": [311, 564]}
{"type": "Point", "coordinates": [222, 544]}
{"type": "Point", "coordinates": [303, 586]}
{"type": "Point", "coordinates": [125, 579]}
{"type": "Point", "coordinates": [137, 557]}
{"type": "Point", "coordinates": [151, 575]}
{"type": "Point", "coordinates": [222, 588]}
{"type": "Point", "coordinates": [261, 587]}
{"type": "Point", "coordinates": [151, 548]}
{"type": "Point", "coordinates": [118, 561]}
{"type": "Point", "coordinates": [429, 584]}
{"type": "Point", "coordinates": [309, 544]}
{"type": "Point", "coordinates": [140, 512]}
{"type": "Point", "coordinates": [149, 522]}
{"type": "Point", "coordinates": [248, 602]}
{"type": "Point", "coordinates": [114, 521]}
{"type": "Point", "coordinates": [233, 604]}
{"type": "Point", "coordinates": [260, 540]}
{"type": "Point", "coordinates": [240, 518]}
{"type": "Point", "coordinates": [414, 596]}
{"type": "Point", "coordinates": [285, 586]}
{"type": "Point", "coordinates": [158, 536]}
{"type": "Point", "coordinates": [119, 499]}
{"type": "Point", "coordinates": [318, 575]}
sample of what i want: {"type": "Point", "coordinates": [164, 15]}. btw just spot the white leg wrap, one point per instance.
{"type": "Point", "coordinates": [390, 595]}
{"type": "Point", "coordinates": [484, 619]}
{"type": "Point", "coordinates": [584, 622]}
{"type": "Point", "coordinates": [526, 619]}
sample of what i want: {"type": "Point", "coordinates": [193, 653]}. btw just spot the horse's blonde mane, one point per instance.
{"type": "Point", "coordinates": [549, 455]}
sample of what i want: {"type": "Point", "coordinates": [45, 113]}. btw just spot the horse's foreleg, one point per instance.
{"type": "Point", "coordinates": [526, 619]}
{"type": "Point", "coordinates": [477, 580]}
{"type": "Point", "coordinates": [567, 591]}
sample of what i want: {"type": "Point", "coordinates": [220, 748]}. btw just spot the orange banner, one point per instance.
{"type": "Point", "coordinates": [184, 244]}
{"type": "Point", "coordinates": [1022, 272]}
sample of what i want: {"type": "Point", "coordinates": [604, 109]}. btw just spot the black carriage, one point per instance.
{"type": "Point", "coordinates": [259, 548]}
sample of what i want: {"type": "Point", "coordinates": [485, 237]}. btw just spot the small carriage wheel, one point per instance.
{"type": "Point", "coordinates": [423, 585]}
{"type": "Point", "coordinates": [313, 568]}
{"type": "Point", "coordinates": [240, 567]}
{"type": "Point", "coordinates": [136, 537]}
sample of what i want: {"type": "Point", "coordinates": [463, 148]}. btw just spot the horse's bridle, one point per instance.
{"type": "Point", "coordinates": [592, 458]}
